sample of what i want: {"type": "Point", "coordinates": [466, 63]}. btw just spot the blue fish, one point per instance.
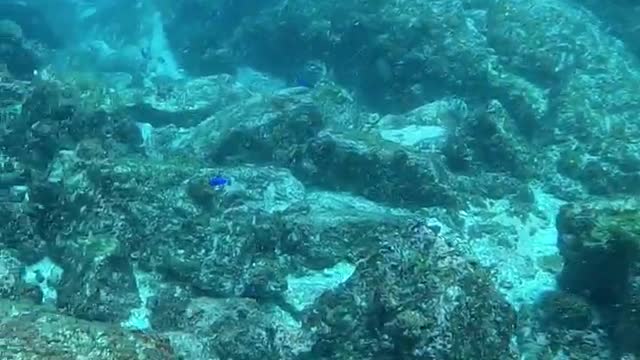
{"type": "Point", "coordinates": [302, 82]}
{"type": "Point", "coordinates": [219, 182]}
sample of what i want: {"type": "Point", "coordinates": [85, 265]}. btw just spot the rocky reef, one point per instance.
{"type": "Point", "coordinates": [124, 228]}
{"type": "Point", "coordinates": [401, 180]}
{"type": "Point", "coordinates": [35, 332]}
{"type": "Point", "coordinates": [600, 244]}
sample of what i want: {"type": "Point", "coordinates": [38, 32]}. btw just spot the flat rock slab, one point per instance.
{"type": "Point", "coordinates": [30, 332]}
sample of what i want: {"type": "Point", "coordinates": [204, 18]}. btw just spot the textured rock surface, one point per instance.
{"type": "Point", "coordinates": [104, 215]}
{"type": "Point", "coordinates": [449, 299]}
{"type": "Point", "coordinates": [394, 169]}
{"type": "Point", "coordinates": [184, 103]}
{"type": "Point", "coordinates": [600, 244]}
{"type": "Point", "coordinates": [29, 332]}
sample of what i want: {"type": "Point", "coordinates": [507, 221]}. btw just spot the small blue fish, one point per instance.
{"type": "Point", "coordinates": [302, 82]}
{"type": "Point", "coordinates": [218, 182]}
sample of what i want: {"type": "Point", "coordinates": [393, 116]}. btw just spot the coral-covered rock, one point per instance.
{"type": "Point", "coordinates": [10, 274]}
{"type": "Point", "coordinates": [491, 139]}
{"type": "Point", "coordinates": [97, 285]}
{"type": "Point", "coordinates": [184, 103]}
{"type": "Point", "coordinates": [404, 57]}
{"type": "Point", "coordinates": [627, 328]}
{"type": "Point", "coordinates": [286, 129]}
{"type": "Point", "coordinates": [19, 59]}
{"type": "Point", "coordinates": [600, 244]}
{"type": "Point", "coordinates": [240, 329]}
{"type": "Point", "coordinates": [30, 332]}
{"type": "Point", "coordinates": [203, 48]}
{"type": "Point", "coordinates": [566, 311]}
{"type": "Point", "coordinates": [18, 231]}
{"type": "Point", "coordinates": [417, 299]}
{"type": "Point", "coordinates": [379, 172]}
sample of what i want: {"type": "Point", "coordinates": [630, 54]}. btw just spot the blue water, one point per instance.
{"type": "Point", "coordinates": [295, 179]}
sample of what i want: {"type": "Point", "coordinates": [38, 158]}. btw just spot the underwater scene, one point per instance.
{"type": "Point", "coordinates": [319, 180]}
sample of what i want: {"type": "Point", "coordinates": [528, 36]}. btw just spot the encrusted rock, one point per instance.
{"type": "Point", "coordinates": [30, 332]}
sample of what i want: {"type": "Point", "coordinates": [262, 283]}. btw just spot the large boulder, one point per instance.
{"type": "Point", "coordinates": [600, 245]}
{"type": "Point", "coordinates": [415, 298]}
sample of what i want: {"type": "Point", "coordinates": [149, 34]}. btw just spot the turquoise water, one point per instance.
{"type": "Point", "coordinates": [298, 180]}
